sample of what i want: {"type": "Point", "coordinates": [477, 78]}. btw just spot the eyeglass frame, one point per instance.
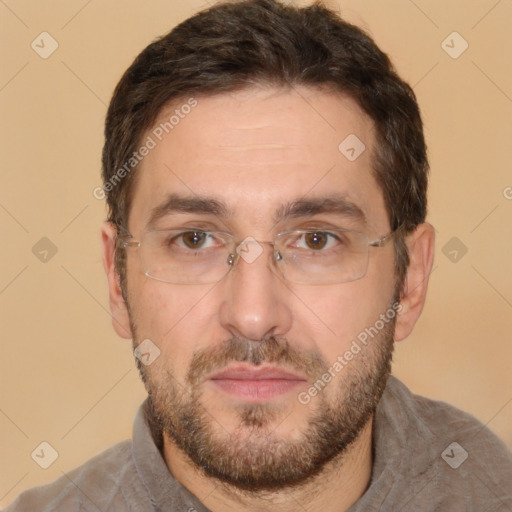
{"type": "Point", "coordinates": [235, 256]}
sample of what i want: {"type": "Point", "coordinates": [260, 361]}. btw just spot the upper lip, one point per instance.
{"type": "Point", "coordinates": [250, 372]}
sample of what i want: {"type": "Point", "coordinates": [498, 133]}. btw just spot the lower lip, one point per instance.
{"type": "Point", "coordinates": [256, 390]}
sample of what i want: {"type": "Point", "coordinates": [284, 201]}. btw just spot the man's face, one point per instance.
{"type": "Point", "coordinates": [238, 357]}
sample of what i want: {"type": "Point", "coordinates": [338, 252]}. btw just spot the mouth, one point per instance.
{"type": "Point", "coordinates": [256, 384]}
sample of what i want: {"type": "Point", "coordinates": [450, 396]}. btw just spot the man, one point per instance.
{"type": "Point", "coordinates": [266, 175]}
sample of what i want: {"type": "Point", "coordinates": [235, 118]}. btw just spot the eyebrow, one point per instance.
{"type": "Point", "coordinates": [175, 204]}
{"type": "Point", "coordinates": [304, 207]}
{"type": "Point", "coordinates": [331, 204]}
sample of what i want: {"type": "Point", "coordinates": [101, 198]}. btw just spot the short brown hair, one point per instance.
{"type": "Point", "coordinates": [237, 44]}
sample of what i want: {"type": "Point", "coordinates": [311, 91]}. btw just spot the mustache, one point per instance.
{"type": "Point", "coordinates": [270, 350]}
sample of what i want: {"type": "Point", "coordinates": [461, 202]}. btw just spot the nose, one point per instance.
{"type": "Point", "coordinates": [256, 304]}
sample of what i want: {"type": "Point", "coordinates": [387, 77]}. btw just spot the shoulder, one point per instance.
{"type": "Point", "coordinates": [463, 454]}
{"type": "Point", "coordinates": [87, 487]}
{"type": "Point", "coordinates": [443, 420]}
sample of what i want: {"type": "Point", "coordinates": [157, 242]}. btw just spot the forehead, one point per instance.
{"type": "Point", "coordinates": [258, 150]}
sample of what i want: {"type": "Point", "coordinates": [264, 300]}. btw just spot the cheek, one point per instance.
{"type": "Point", "coordinates": [173, 317]}
{"type": "Point", "coordinates": [331, 316]}
{"type": "Point", "coordinates": [335, 317]}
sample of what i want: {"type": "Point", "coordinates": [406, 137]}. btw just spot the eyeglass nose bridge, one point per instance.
{"type": "Point", "coordinates": [250, 250]}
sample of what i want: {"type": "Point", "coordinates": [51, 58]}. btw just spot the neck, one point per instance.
{"type": "Point", "coordinates": [341, 483]}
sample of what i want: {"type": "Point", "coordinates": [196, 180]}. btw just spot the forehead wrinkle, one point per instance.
{"type": "Point", "coordinates": [259, 146]}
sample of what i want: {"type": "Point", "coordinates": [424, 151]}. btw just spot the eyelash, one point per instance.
{"type": "Point", "coordinates": [179, 237]}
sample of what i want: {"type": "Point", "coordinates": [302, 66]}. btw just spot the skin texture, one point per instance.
{"type": "Point", "coordinates": [256, 150]}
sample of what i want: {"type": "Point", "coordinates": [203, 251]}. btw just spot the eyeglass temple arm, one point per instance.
{"type": "Point", "coordinates": [382, 241]}
{"type": "Point", "coordinates": [126, 245]}
{"type": "Point", "coordinates": [122, 235]}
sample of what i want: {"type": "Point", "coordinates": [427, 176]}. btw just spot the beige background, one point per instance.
{"type": "Point", "coordinates": [65, 376]}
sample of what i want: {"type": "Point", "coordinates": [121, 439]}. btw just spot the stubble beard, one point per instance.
{"type": "Point", "coordinates": [252, 457]}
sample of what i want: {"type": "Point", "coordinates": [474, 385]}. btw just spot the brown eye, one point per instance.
{"type": "Point", "coordinates": [316, 240]}
{"type": "Point", "coordinates": [194, 239]}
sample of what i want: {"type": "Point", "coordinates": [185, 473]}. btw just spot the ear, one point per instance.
{"type": "Point", "coordinates": [420, 244]}
{"type": "Point", "coordinates": [118, 309]}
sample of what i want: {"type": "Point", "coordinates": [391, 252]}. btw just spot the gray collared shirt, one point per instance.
{"type": "Point", "coordinates": [428, 456]}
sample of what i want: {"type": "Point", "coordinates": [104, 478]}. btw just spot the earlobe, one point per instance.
{"type": "Point", "coordinates": [118, 308]}
{"type": "Point", "coordinates": [421, 245]}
